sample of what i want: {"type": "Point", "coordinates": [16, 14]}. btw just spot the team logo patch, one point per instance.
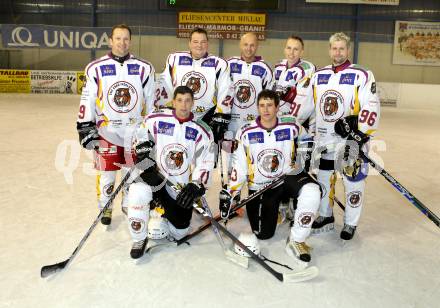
{"type": "Point", "coordinates": [108, 70]}
{"type": "Point", "coordinates": [245, 94]}
{"type": "Point", "coordinates": [305, 219]}
{"type": "Point", "coordinates": [122, 97]}
{"type": "Point", "coordinates": [137, 225]}
{"type": "Point", "coordinates": [108, 189]}
{"type": "Point", "coordinates": [290, 76]}
{"type": "Point", "coordinates": [250, 117]}
{"type": "Point", "coordinates": [191, 133]}
{"type": "Point", "coordinates": [347, 78]}
{"type": "Point", "coordinates": [282, 134]}
{"type": "Point", "coordinates": [196, 82]}
{"type": "Point", "coordinates": [184, 60]}
{"type": "Point", "coordinates": [323, 78]}
{"type": "Point", "coordinates": [133, 69]}
{"type": "Point", "coordinates": [165, 128]}
{"type": "Point", "coordinates": [270, 162]}
{"type": "Point", "coordinates": [258, 71]}
{"type": "Point", "coordinates": [174, 159]}
{"type": "Point", "coordinates": [277, 75]}
{"type": "Point", "coordinates": [236, 68]}
{"type": "Point", "coordinates": [257, 137]}
{"type": "Point", "coordinates": [200, 109]}
{"type": "Point", "coordinates": [208, 63]}
{"type": "Point", "coordinates": [354, 199]}
{"type": "Point", "coordinates": [331, 105]}
{"type": "Point", "coordinates": [373, 88]}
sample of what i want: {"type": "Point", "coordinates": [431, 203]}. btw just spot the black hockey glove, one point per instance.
{"type": "Point", "coordinates": [143, 150]}
{"type": "Point", "coordinates": [348, 128]}
{"type": "Point", "coordinates": [188, 194]}
{"type": "Point", "coordinates": [88, 135]}
{"type": "Point", "coordinates": [225, 203]}
{"type": "Point", "coordinates": [219, 125]}
{"type": "Point", "coordinates": [145, 163]}
{"type": "Point", "coordinates": [288, 95]}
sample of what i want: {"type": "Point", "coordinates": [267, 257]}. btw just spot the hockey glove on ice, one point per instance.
{"type": "Point", "coordinates": [188, 194]}
{"type": "Point", "coordinates": [88, 135]}
{"type": "Point", "coordinates": [225, 203]}
{"type": "Point", "coordinates": [219, 125]}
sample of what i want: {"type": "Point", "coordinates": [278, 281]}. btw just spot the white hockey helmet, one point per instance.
{"type": "Point", "coordinates": [157, 228]}
{"type": "Point", "coordinates": [250, 241]}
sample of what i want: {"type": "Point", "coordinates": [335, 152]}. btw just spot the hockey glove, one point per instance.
{"type": "Point", "coordinates": [188, 194]}
{"type": "Point", "coordinates": [88, 135]}
{"type": "Point", "coordinates": [143, 150]}
{"type": "Point", "coordinates": [288, 95]}
{"type": "Point", "coordinates": [304, 153]}
{"type": "Point", "coordinates": [219, 125]}
{"type": "Point", "coordinates": [225, 203]}
{"type": "Point", "coordinates": [348, 128]}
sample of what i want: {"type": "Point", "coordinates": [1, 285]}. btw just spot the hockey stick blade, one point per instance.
{"type": "Point", "coordinates": [306, 274]}
{"type": "Point", "coordinates": [48, 270]}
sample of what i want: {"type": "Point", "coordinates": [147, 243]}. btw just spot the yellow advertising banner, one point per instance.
{"type": "Point", "coordinates": [222, 25]}
{"type": "Point", "coordinates": [15, 81]}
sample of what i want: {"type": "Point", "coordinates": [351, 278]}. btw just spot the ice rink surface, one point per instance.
{"type": "Point", "coordinates": [48, 203]}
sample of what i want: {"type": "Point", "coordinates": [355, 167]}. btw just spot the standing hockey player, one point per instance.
{"type": "Point", "coordinates": [347, 113]}
{"type": "Point", "coordinates": [289, 72]}
{"type": "Point", "coordinates": [250, 75]}
{"type": "Point", "coordinates": [267, 150]}
{"type": "Point", "coordinates": [206, 75]}
{"type": "Point", "coordinates": [172, 145]}
{"type": "Point", "coordinates": [119, 91]}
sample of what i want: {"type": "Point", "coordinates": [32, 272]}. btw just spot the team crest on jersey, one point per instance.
{"type": "Point", "coordinates": [165, 128]}
{"type": "Point", "coordinates": [250, 117]}
{"type": "Point", "coordinates": [347, 78]}
{"type": "Point", "coordinates": [282, 134]}
{"type": "Point", "coordinates": [108, 70]}
{"type": "Point", "coordinates": [331, 105]}
{"type": "Point", "coordinates": [133, 69]}
{"type": "Point", "coordinates": [354, 199]}
{"type": "Point", "coordinates": [270, 162]}
{"type": "Point", "coordinates": [191, 133]}
{"type": "Point", "coordinates": [236, 68]}
{"type": "Point", "coordinates": [174, 159]}
{"type": "Point", "coordinates": [258, 71]}
{"type": "Point", "coordinates": [305, 219]}
{"type": "Point", "coordinates": [122, 97]}
{"type": "Point", "coordinates": [323, 78]}
{"type": "Point", "coordinates": [196, 82]}
{"type": "Point", "coordinates": [256, 137]}
{"type": "Point", "coordinates": [245, 94]}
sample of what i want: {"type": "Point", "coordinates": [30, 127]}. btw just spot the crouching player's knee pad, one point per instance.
{"type": "Point", "coordinates": [139, 197]}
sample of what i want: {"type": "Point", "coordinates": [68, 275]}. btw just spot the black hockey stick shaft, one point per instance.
{"type": "Point", "coordinates": [411, 198]}
{"type": "Point", "coordinates": [215, 223]}
{"type": "Point", "coordinates": [48, 270]}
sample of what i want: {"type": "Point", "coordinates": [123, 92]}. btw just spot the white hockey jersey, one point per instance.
{"type": "Point", "coordinates": [348, 89]}
{"type": "Point", "coordinates": [117, 96]}
{"type": "Point", "coordinates": [248, 80]}
{"type": "Point", "coordinates": [184, 151]}
{"type": "Point", "coordinates": [288, 77]}
{"type": "Point", "coordinates": [262, 155]}
{"type": "Point", "coordinates": [207, 77]}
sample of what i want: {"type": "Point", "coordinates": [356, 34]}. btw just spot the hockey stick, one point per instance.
{"type": "Point", "coordinates": [237, 259]}
{"type": "Point", "coordinates": [303, 275]}
{"type": "Point", "coordinates": [411, 198]}
{"type": "Point", "coordinates": [220, 157]}
{"type": "Point", "coordinates": [48, 270]}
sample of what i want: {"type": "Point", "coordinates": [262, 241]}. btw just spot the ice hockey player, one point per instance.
{"type": "Point", "coordinates": [119, 91]}
{"type": "Point", "coordinates": [289, 72]}
{"type": "Point", "coordinates": [206, 75]}
{"type": "Point", "coordinates": [267, 150]}
{"type": "Point", "coordinates": [170, 145]}
{"type": "Point", "coordinates": [347, 113]}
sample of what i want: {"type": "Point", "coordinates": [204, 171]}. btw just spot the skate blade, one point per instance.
{"type": "Point", "coordinates": [330, 228]}
{"type": "Point", "coordinates": [302, 275]}
{"type": "Point", "coordinates": [237, 259]}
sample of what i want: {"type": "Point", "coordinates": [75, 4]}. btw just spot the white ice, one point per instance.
{"type": "Point", "coordinates": [48, 203]}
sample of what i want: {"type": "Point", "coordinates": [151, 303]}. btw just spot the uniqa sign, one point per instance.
{"type": "Point", "coordinates": [43, 36]}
